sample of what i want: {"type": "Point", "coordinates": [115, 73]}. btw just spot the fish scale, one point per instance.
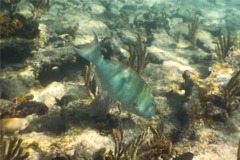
{"type": "Point", "coordinates": [121, 82]}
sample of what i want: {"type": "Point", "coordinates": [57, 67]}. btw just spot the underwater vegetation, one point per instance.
{"type": "Point", "coordinates": [193, 30]}
{"type": "Point", "coordinates": [125, 151]}
{"type": "Point", "coordinates": [138, 55]}
{"type": "Point", "coordinates": [223, 46]}
{"type": "Point", "coordinates": [101, 106]}
{"type": "Point", "coordinates": [236, 40]}
{"type": "Point", "coordinates": [229, 97]}
{"type": "Point", "coordinates": [132, 148]}
{"type": "Point", "coordinates": [139, 148]}
{"type": "Point", "coordinates": [231, 92]}
{"type": "Point", "coordinates": [215, 106]}
{"type": "Point", "coordinates": [11, 148]}
{"type": "Point", "coordinates": [160, 145]}
{"type": "Point", "coordinates": [69, 117]}
{"type": "Point", "coordinates": [121, 150]}
{"type": "Point", "coordinates": [89, 80]}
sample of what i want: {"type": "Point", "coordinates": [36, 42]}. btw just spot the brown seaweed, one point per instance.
{"type": "Point", "coordinates": [90, 81]}
{"type": "Point", "coordinates": [192, 31]}
{"type": "Point", "coordinates": [122, 150]}
{"type": "Point", "coordinates": [132, 148]}
{"type": "Point", "coordinates": [101, 105]}
{"type": "Point", "coordinates": [231, 92]}
{"type": "Point", "coordinates": [223, 46]}
{"type": "Point", "coordinates": [11, 148]}
{"type": "Point", "coordinates": [118, 141]}
{"type": "Point", "coordinates": [138, 55]}
{"type": "Point", "coordinates": [158, 146]}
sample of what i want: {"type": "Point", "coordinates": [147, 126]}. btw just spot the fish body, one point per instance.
{"type": "Point", "coordinates": [121, 82]}
{"type": "Point", "coordinates": [13, 125]}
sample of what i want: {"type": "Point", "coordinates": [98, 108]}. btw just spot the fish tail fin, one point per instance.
{"type": "Point", "coordinates": [91, 51]}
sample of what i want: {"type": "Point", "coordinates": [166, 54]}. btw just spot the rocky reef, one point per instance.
{"type": "Point", "coordinates": [188, 55]}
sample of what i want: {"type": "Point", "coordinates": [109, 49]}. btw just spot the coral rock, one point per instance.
{"type": "Point", "coordinates": [7, 108]}
{"type": "Point", "coordinates": [24, 10]}
{"type": "Point", "coordinates": [31, 107]}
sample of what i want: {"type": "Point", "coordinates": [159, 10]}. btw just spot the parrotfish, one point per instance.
{"type": "Point", "coordinates": [122, 83]}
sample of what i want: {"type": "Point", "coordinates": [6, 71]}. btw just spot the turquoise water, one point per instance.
{"type": "Point", "coordinates": [166, 80]}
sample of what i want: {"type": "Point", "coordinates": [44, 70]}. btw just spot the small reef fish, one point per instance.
{"type": "Point", "coordinates": [121, 82]}
{"type": "Point", "coordinates": [13, 125]}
